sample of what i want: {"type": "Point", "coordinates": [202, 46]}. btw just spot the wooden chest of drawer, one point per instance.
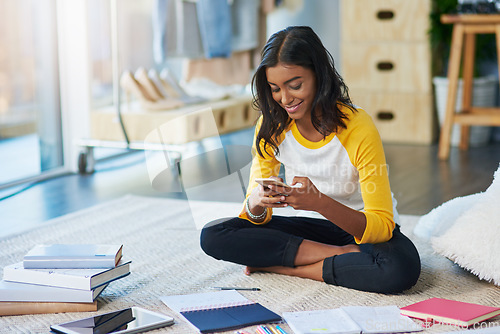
{"type": "Point", "coordinates": [399, 117]}
{"type": "Point", "coordinates": [385, 20]}
{"type": "Point", "coordinates": [386, 64]}
{"type": "Point", "coordinates": [402, 67]}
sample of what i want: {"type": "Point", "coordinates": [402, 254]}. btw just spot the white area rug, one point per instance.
{"type": "Point", "coordinates": [161, 238]}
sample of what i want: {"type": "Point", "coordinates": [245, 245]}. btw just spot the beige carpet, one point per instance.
{"type": "Point", "coordinates": [161, 238]}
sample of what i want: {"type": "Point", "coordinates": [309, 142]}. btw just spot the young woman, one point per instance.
{"type": "Point", "coordinates": [344, 231]}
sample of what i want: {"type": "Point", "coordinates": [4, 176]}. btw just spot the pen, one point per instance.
{"type": "Point", "coordinates": [281, 330]}
{"type": "Point", "coordinates": [234, 288]}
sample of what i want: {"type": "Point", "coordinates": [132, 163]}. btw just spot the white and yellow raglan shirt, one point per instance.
{"type": "Point", "coordinates": [348, 166]}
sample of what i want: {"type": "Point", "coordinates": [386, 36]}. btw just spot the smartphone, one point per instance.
{"type": "Point", "coordinates": [269, 181]}
{"type": "Point", "coordinates": [130, 320]}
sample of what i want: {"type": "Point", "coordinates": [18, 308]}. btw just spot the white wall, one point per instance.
{"type": "Point", "coordinates": [321, 15]}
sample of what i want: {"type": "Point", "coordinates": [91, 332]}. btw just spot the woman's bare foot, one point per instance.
{"type": "Point", "coordinates": [313, 271]}
{"type": "Point", "coordinates": [310, 252]}
{"type": "Point", "coordinates": [308, 261]}
{"type": "Point", "coordinates": [352, 248]}
{"type": "Point", "coordinates": [249, 270]}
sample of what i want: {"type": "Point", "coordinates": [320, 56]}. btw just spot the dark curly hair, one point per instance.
{"type": "Point", "coordinates": [299, 45]}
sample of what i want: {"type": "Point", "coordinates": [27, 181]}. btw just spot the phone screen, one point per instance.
{"type": "Point", "coordinates": [130, 320]}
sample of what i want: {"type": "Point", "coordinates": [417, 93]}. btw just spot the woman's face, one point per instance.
{"type": "Point", "coordinates": [293, 87]}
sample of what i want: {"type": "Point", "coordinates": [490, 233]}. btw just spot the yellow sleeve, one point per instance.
{"type": "Point", "coordinates": [366, 152]}
{"type": "Point", "coordinates": [261, 168]}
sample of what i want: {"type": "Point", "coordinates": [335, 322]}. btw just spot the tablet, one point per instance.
{"type": "Point", "coordinates": [130, 320]}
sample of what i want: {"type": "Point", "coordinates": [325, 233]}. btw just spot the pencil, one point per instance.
{"type": "Point", "coordinates": [274, 331]}
{"type": "Point", "coordinates": [281, 330]}
{"type": "Point", "coordinates": [260, 330]}
{"type": "Point", "coordinates": [266, 329]}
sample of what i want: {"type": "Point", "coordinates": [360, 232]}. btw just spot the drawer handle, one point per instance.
{"type": "Point", "coordinates": [385, 115]}
{"type": "Point", "coordinates": [246, 113]}
{"type": "Point", "coordinates": [385, 65]}
{"type": "Point", "coordinates": [385, 14]}
{"type": "Point", "coordinates": [222, 119]}
{"type": "Point", "coordinates": [197, 125]}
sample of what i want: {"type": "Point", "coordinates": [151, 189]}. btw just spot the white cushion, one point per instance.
{"type": "Point", "coordinates": [440, 219]}
{"type": "Point", "coordinates": [473, 240]}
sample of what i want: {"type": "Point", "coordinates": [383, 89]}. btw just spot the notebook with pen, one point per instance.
{"type": "Point", "coordinates": [218, 311]}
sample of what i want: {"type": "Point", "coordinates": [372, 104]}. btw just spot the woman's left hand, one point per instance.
{"type": "Point", "coordinates": [305, 197]}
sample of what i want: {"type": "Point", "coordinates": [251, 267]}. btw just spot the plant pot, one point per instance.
{"type": "Point", "coordinates": [484, 92]}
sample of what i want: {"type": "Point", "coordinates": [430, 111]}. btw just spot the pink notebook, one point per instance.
{"type": "Point", "coordinates": [450, 311]}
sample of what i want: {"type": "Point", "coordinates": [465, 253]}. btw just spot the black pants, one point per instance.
{"type": "Point", "coordinates": [388, 267]}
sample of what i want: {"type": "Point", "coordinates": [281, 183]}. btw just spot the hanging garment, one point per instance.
{"type": "Point", "coordinates": [245, 24]}
{"type": "Point", "coordinates": [204, 28]}
{"type": "Point", "coordinates": [176, 32]}
{"type": "Point", "coordinates": [214, 20]}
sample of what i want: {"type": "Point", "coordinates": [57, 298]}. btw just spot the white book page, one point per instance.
{"type": "Point", "coordinates": [321, 321]}
{"type": "Point", "coordinates": [382, 319]}
{"type": "Point", "coordinates": [207, 300]}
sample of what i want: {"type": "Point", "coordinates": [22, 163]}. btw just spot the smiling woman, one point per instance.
{"type": "Point", "coordinates": [345, 230]}
{"type": "Point", "coordinates": [294, 88]}
{"type": "Point", "coordinates": [297, 57]}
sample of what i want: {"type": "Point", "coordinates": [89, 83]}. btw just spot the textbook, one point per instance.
{"type": "Point", "coordinates": [450, 312]}
{"type": "Point", "coordinates": [351, 320]}
{"type": "Point", "coordinates": [22, 292]}
{"type": "Point", "coordinates": [20, 308]}
{"type": "Point", "coordinates": [217, 311]}
{"type": "Point", "coordinates": [72, 256]}
{"type": "Point", "coordinates": [82, 279]}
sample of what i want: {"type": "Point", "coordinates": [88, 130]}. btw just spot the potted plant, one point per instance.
{"type": "Point", "coordinates": [485, 86]}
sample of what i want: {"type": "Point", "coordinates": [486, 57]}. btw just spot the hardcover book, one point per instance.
{"type": "Point", "coordinates": [22, 292]}
{"type": "Point", "coordinates": [450, 311]}
{"type": "Point", "coordinates": [82, 279]}
{"type": "Point", "coordinates": [72, 256]}
{"type": "Point", "coordinates": [20, 308]}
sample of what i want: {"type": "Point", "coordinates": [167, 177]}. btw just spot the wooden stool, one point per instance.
{"type": "Point", "coordinates": [465, 28]}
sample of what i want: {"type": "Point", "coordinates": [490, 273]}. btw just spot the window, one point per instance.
{"type": "Point", "coordinates": [30, 115]}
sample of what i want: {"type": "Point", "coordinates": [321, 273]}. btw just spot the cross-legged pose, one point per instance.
{"type": "Point", "coordinates": [344, 230]}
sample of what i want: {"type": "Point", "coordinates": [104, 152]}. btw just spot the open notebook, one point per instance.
{"type": "Point", "coordinates": [351, 320]}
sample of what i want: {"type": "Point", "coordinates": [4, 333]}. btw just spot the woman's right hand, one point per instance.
{"type": "Point", "coordinates": [263, 197]}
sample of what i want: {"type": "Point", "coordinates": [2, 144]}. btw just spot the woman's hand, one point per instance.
{"type": "Point", "coordinates": [267, 197]}
{"type": "Point", "coordinates": [305, 197]}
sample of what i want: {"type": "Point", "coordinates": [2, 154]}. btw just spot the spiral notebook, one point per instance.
{"type": "Point", "coordinates": [221, 310]}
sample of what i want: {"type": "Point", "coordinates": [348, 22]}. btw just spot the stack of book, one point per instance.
{"type": "Point", "coordinates": [60, 278]}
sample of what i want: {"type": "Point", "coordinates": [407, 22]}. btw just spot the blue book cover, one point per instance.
{"type": "Point", "coordinates": [232, 317]}
{"type": "Point", "coordinates": [222, 310]}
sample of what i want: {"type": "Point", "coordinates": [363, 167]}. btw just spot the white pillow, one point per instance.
{"type": "Point", "coordinates": [473, 241]}
{"type": "Point", "coordinates": [440, 219]}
